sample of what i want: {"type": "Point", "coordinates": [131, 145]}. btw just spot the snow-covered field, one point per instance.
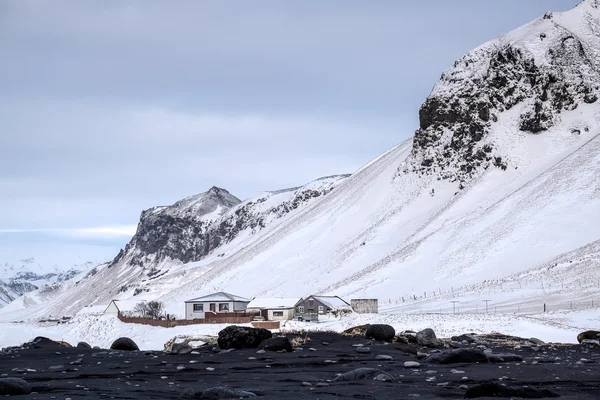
{"type": "Point", "coordinates": [561, 327]}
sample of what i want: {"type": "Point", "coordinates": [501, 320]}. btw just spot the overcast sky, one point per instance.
{"type": "Point", "coordinates": [111, 107]}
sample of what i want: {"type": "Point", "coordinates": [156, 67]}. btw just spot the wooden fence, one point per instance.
{"type": "Point", "coordinates": [266, 324]}
{"type": "Point", "coordinates": [225, 318]}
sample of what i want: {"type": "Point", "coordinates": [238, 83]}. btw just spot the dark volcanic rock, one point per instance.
{"type": "Point", "coordinates": [458, 356]}
{"type": "Point", "coordinates": [124, 343]}
{"type": "Point", "coordinates": [427, 338]}
{"type": "Point", "coordinates": [239, 337]}
{"type": "Point", "coordinates": [83, 345]}
{"type": "Point", "coordinates": [215, 393]}
{"type": "Point", "coordinates": [361, 373]}
{"type": "Point", "coordinates": [504, 357]}
{"type": "Point", "coordinates": [279, 343]}
{"type": "Point", "coordinates": [493, 389]}
{"type": "Point", "coordinates": [382, 332]}
{"type": "Point", "coordinates": [181, 348]}
{"type": "Point", "coordinates": [14, 386]}
{"type": "Point", "coordinates": [466, 337]}
{"type": "Point", "coordinates": [41, 342]}
{"type": "Point", "coordinates": [588, 335]}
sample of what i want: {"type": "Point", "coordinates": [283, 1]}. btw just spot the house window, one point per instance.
{"type": "Point", "coordinates": [320, 309]}
{"type": "Point", "coordinates": [278, 313]}
{"type": "Point", "coordinates": [198, 307]}
{"type": "Point", "coordinates": [223, 307]}
{"type": "Point", "coordinates": [301, 309]}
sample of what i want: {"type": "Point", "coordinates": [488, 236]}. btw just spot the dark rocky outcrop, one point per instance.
{"type": "Point", "coordinates": [124, 343]}
{"type": "Point", "coordinates": [279, 343]}
{"type": "Point", "coordinates": [494, 389]}
{"type": "Point", "coordinates": [240, 337]}
{"type": "Point", "coordinates": [452, 140]}
{"type": "Point", "coordinates": [83, 345]}
{"type": "Point", "coordinates": [382, 332]}
{"type": "Point", "coordinates": [14, 387]}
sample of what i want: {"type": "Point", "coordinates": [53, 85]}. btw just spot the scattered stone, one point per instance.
{"type": "Point", "coordinates": [125, 344]}
{"type": "Point", "coordinates": [239, 337]}
{"type": "Point", "coordinates": [306, 384]}
{"type": "Point", "coordinates": [494, 389]}
{"type": "Point", "coordinates": [361, 373]}
{"type": "Point", "coordinates": [469, 338]}
{"type": "Point", "coordinates": [14, 386]}
{"type": "Point", "coordinates": [457, 356]}
{"type": "Point", "coordinates": [57, 368]}
{"type": "Point", "coordinates": [363, 350]}
{"type": "Point", "coordinates": [427, 337]}
{"type": "Point", "coordinates": [219, 392]}
{"type": "Point", "coordinates": [383, 357]}
{"type": "Point", "coordinates": [536, 341]}
{"type": "Point", "coordinates": [463, 387]}
{"type": "Point", "coordinates": [382, 332]}
{"type": "Point", "coordinates": [181, 348]}
{"type": "Point", "coordinates": [322, 384]}
{"type": "Point", "coordinates": [412, 364]}
{"type": "Point", "coordinates": [504, 357]}
{"type": "Point", "coordinates": [280, 343]}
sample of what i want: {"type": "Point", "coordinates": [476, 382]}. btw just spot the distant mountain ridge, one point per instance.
{"type": "Point", "coordinates": [502, 177]}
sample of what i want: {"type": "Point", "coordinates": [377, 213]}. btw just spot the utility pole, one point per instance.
{"type": "Point", "coordinates": [486, 305]}
{"type": "Point", "coordinates": [454, 304]}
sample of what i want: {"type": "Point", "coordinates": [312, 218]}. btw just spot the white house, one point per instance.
{"type": "Point", "coordinates": [124, 307]}
{"type": "Point", "coordinates": [215, 303]}
{"type": "Point", "coordinates": [274, 308]}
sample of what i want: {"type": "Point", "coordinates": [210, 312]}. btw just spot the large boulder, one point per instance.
{"type": "Point", "coordinates": [41, 342]}
{"type": "Point", "coordinates": [457, 356]}
{"type": "Point", "coordinates": [240, 337]}
{"type": "Point", "coordinates": [382, 332]}
{"type": "Point", "coordinates": [14, 386]}
{"type": "Point", "coordinates": [83, 345]}
{"type": "Point", "coordinates": [427, 338]}
{"type": "Point", "coordinates": [124, 343]}
{"type": "Point", "coordinates": [279, 343]}
{"type": "Point", "coordinates": [588, 335]}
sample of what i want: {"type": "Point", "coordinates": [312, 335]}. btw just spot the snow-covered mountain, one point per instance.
{"type": "Point", "coordinates": [501, 179]}
{"type": "Point", "coordinates": [29, 274]}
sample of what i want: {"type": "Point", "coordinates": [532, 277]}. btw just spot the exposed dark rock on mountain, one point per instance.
{"type": "Point", "coordinates": [543, 67]}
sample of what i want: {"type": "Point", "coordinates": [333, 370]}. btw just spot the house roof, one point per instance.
{"type": "Point", "coordinates": [125, 305]}
{"type": "Point", "coordinates": [219, 296]}
{"type": "Point", "coordinates": [92, 310]}
{"type": "Point", "coordinates": [273, 302]}
{"type": "Point", "coordinates": [333, 302]}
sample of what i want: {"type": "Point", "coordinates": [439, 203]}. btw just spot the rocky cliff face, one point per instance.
{"type": "Point", "coordinates": [540, 71]}
{"type": "Point", "coordinates": [192, 228]}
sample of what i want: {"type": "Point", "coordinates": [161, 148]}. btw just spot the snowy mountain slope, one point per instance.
{"type": "Point", "coordinates": [502, 176]}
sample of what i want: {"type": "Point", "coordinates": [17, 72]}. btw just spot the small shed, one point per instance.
{"type": "Point", "coordinates": [123, 307]}
{"type": "Point", "coordinates": [365, 306]}
{"type": "Point", "coordinates": [215, 303]}
{"type": "Point", "coordinates": [273, 308]}
{"type": "Point", "coordinates": [311, 307]}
